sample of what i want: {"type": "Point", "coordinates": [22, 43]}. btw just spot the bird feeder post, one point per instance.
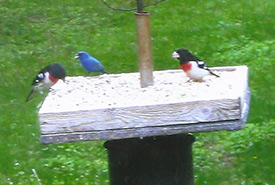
{"type": "Point", "coordinates": [144, 46]}
{"type": "Point", "coordinates": [157, 160]}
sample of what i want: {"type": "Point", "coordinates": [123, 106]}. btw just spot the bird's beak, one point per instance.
{"type": "Point", "coordinates": [76, 56]}
{"type": "Point", "coordinates": [175, 55]}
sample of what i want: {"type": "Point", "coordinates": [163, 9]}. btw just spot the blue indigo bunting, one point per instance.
{"type": "Point", "coordinates": [90, 63]}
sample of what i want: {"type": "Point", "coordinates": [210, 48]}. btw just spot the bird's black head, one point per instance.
{"type": "Point", "coordinates": [57, 71]}
{"type": "Point", "coordinates": [184, 56]}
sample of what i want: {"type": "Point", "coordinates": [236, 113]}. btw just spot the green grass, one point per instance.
{"type": "Point", "coordinates": [241, 157]}
{"type": "Point", "coordinates": [36, 33]}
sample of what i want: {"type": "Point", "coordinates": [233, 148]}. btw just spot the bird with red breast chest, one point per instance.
{"type": "Point", "coordinates": [194, 68]}
{"type": "Point", "coordinates": [46, 78]}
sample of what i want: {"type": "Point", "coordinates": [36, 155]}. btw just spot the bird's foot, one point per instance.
{"type": "Point", "coordinates": [197, 80]}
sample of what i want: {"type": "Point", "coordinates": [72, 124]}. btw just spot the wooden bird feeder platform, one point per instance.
{"type": "Point", "coordinates": [114, 106]}
{"type": "Point", "coordinates": [146, 128]}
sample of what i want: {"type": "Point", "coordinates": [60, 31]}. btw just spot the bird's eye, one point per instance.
{"type": "Point", "coordinates": [40, 75]}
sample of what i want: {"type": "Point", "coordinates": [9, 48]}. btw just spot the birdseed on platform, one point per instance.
{"type": "Point", "coordinates": [123, 90]}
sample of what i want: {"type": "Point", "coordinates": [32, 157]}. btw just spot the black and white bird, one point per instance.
{"type": "Point", "coordinates": [46, 78]}
{"type": "Point", "coordinates": [194, 68]}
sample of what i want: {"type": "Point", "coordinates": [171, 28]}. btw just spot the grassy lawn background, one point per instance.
{"type": "Point", "coordinates": [35, 33]}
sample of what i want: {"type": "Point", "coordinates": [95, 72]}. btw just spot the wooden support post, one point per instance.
{"type": "Point", "coordinates": [151, 161]}
{"type": "Point", "coordinates": [144, 49]}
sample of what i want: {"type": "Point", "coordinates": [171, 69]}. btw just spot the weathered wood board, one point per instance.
{"type": "Point", "coordinates": [113, 106]}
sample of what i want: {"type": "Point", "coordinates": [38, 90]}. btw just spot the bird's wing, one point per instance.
{"type": "Point", "coordinates": [40, 75]}
{"type": "Point", "coordinates": [97, 62]}
{"type": "Point", "coordinates": [100, 67]}
{"type": "Point", "coordinates": [201, 64]}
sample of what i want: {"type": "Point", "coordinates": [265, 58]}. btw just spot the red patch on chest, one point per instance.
{"type": "Point", "coordinates": [53, 79]}
{"type": "Point", "coordinates": [186, 67]}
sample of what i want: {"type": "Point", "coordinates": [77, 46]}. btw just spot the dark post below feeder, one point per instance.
{"type": "Point", "coordinates": [161, 160]}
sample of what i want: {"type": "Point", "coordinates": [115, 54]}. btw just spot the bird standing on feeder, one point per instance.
{"type": "Point", "coordinates": [90, 63]}
{"type": "Point", "coordinates": [194, 68]}
{"type": "Point", "coordinates": [46, 78]}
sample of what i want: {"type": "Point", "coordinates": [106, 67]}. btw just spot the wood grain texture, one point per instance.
{"type": "Point", "coordinates": [202, 115]}
{"type": "Point", "coordinates": [145, 116]}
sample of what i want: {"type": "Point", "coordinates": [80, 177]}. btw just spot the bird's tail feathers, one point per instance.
{"type": "Point", "coordinates": [214, 74]}
{"type": "Point", "coordinates": [104, 72]}
{"type": "Point", "coordinates": [31, 95]}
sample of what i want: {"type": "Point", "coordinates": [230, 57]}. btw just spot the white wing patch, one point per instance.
{"type": "Point", "coordinates": [201, 62]}
{"type": "Point", "coordinates": [45, 83]}
{"type": "Point", "coordinates": [40, 75]}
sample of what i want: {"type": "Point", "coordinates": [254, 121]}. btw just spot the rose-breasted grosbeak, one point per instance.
{"type": "Point", "coordinates": [194, 68]}
{"type": "Point", "coordinates": [46, 78]}
{"type": "Point", "coordinates": [90, 63]}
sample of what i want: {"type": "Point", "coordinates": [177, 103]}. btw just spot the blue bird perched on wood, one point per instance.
{"type": "Point", "coordinates": [90, 63]}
